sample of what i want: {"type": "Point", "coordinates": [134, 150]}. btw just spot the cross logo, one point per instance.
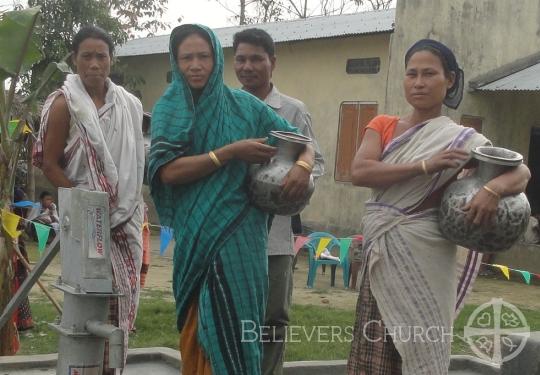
{"type": "Point", "coordinates": [489, 326]}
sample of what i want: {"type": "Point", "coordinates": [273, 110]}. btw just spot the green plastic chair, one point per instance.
{"type": "Point", "coordinates": [314, 262]}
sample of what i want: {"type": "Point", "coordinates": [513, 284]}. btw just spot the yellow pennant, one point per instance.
{"type": "Point", "coordinates": [323, 242]}
{"type": "Point", "coordinates": [10, 222]}
{"type": "Point", "coordinates": [26, 129]}
{"type": "Point", "coordinates": [504, 269]}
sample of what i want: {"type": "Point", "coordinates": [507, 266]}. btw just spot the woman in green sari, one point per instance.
{"type": "Point", "coordinates": [204, 136]}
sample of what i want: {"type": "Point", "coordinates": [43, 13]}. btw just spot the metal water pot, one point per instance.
{"type": "Point", "coordinates": [513, 211]}
{"type": "Point", "coordinates": [265, 180]}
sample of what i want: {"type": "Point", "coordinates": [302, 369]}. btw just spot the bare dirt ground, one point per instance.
{"type": "Point", "coordinates": [159, 279]}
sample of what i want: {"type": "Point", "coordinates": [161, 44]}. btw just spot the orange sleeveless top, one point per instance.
{"type": "Point", "coordinates": [385, 125]}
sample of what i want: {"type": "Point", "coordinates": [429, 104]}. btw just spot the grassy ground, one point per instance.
{"type": "Point", "coordinates": [315, 312]}
{"type": "Point", "coordinates": [317, 332]}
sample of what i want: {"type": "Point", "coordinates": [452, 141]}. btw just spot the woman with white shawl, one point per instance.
{"type": "Point", "coordinates": [91, 138]}
{"type": "Point", "coordinates": [412, 284]}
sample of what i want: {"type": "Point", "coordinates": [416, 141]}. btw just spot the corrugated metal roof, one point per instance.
{"type": "Point", "coordinates": [527, 79]}
{"type": "Point", "coordinates": [285, 31]}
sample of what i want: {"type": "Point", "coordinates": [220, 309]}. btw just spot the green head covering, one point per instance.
{"type": "Point", "coordinates": [214, 86]}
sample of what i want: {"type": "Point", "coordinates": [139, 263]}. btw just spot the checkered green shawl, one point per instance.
{"type": "Point", "coordinates": [212, 218]}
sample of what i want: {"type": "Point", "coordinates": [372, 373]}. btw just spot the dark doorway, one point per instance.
{"type": "Point", "coordinates": [533, 188]}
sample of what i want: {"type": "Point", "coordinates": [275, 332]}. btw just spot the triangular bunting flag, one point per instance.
{"type": "Point", "coordinates": [10, 222]}
{"type": "Point", "coordinates": [526, 276]}
{"type": "Point", "coordinates": [42, 233]}
{"type": "Point", "coordinates": [12, 125]}
{"type": "Point", "coordinates": [300, 241]}
{"type": "Point", "coordinates": [323, 242]}
{"type": "Point", "coordinates": [165, 235]}
{"type": "Point", "coordinates": [26, 129]}
{"type": "Point", "coordinates": [344, 245]}
{"type": "Point", "coordinates": [504, 269]}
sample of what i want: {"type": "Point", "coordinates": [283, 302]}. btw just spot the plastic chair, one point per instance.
{"type": "Point", "coordinates": [314, 262]}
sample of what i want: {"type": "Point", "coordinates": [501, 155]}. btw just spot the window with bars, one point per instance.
{"type": "Point", "coordinates": [369, 65]}
{"type": "Point", "coordinates": [353, 118]}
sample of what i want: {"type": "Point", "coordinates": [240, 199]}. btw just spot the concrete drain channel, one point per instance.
{"type": "Point", "coordinates": [165, 361]}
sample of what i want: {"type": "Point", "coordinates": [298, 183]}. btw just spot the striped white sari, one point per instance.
{"type": "Point", "coordinates": [414, 272]}
{"type": "Point", "coordinates": [105, 152]}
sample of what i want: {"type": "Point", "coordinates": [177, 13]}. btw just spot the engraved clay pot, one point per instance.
{"type": "Point", "coordinates": [265, 182]}
{"type": "Point", "coordinates": [513, 212]}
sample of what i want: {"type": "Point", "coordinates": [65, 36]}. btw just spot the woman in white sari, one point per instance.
{"type": "Point", "coordinates": [91, 138]}
{"type": "Point", "coordinates": [412, 284]}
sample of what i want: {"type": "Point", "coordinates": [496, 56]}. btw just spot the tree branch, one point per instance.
{"type": "Point", "coordinates": [296, 10]}
{"type": "Point", "coordinates": [227, 8]}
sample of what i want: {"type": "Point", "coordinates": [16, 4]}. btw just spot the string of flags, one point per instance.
{"type": "Point", "coordinates": [10, 222]}
{"type": "Point", "coordinates": [166, 234]}
{"type": "Point", "coordinates": [527, 276]}
{"type": "Point", "coordinates": [345, 243]}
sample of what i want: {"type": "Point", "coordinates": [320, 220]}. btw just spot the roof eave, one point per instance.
{"type": "Point", "coordinates": [389, 31]}
{"type": "Point", "coordinates": [478, 82]}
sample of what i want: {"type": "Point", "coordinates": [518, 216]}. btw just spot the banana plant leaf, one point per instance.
{"type": "Point", "coordinates": [19, 45]}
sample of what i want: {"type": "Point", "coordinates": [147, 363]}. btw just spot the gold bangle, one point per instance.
{"type": "Point", "coordinates": [304, 165]}
{"type": "Point", "coordinates": [491, 191]}
{"type": "Point", "coordinates": [215, 159]}
{"type": "Point", "coordinates": [424, 167]}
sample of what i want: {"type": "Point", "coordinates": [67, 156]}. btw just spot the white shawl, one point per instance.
{"type": "Point", "coordinates": [100, 157]}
